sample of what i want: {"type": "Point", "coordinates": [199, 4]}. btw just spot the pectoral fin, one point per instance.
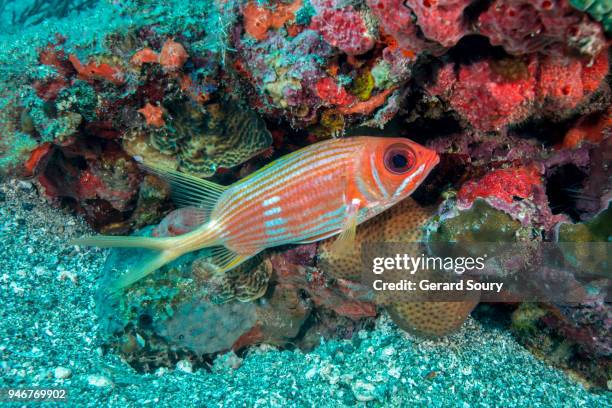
{"type": "Point", "coordinates": [346, 240]}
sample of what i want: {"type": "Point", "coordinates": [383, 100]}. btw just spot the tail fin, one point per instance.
{"type": "Point", "coordinates": [189, 191]}
{"type": "Point", "coordinates": [168, 249]}
{"type": "Point", "coordinates": [137, 273]}
{"type": "Point", "coordinates": [109, 241]}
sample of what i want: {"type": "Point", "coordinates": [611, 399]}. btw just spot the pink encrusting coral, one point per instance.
{"type": "Point", "coordinates": [565, 82]}
{"type": "Point", "coordinates": [491, 94]}
{"type": "Point", "coordinates": [332, 93]}
{"type": "Point", "coordinates": [509, 184]}
{"type": "Point", "coordinates": [548, 26]}
{"type": "Point", "coordinates": [560, 85]}
{"type": "Point", "coordinates": [397, 20]}
{"type": "Point", "coordinates": [489, 98]}
{"type": "Point", "coordinates": [518, 191]}
{"type": "Point", "coordinates": [343, 28]}
{"type": "Point", "coordinates": [443, 21]}
{"type": "Point", "coordinates": [520, 26]}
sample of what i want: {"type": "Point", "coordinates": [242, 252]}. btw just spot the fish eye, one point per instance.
{"type": "Point", "coordinates": [399, 158]}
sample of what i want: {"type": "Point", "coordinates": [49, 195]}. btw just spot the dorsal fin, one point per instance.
{"type": "Point", "coordinates": [188, 190]}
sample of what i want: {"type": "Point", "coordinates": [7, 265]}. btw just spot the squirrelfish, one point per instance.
{"type": "Point", "coordinates": [314, 193]}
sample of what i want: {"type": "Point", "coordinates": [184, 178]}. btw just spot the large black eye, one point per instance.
{"type": "Point", "coordinates": [399, 158]}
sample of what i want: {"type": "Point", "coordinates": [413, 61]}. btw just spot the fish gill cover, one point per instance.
{"type": "Point", "coordinates": [512, 95]}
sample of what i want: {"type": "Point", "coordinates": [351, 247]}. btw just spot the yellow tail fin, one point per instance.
{"type": "Point", "coordinates": [169, 249]}
{"type": "Point", "coordinates": [137, 273]}
{"type": "Point", "coordinates": [109, 241]}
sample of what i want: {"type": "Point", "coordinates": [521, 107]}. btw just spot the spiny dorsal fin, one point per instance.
{"type": "Point", "coordinates": [188, 190]}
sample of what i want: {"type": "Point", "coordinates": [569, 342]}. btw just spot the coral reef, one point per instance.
{"type": "Point", "coordinates": [322, 66]}
{"type": "Point", "coordinates": [404, 222]}
{"type": "Point", "coordinates": [554, 27]}
{"type": "Point", "coordinates": [513, 94]}
{"type": "Point", "coordinates": [493, 94]}
{"type": "Point", "coordinates": [342, 27]}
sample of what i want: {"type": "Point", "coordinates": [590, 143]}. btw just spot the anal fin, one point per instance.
{"type": "Point", "coordinates": [226, 259]}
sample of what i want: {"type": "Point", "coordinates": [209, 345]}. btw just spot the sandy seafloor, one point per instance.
{"type": "Point", "coordinates": [48, 321]}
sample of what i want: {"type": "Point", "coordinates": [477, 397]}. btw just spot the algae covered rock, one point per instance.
{"type": "Point", "coordinates": [480, 223]}
{"type": "Point", "coordinates": [482, 230]}
{"type": "Point", "coordinates": [586, 245]}
{"type": "Point", "coordinates": [576, 338]}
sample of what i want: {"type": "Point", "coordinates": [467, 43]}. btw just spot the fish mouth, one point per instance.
{"type": "Point", "coordinates": [433, 160]}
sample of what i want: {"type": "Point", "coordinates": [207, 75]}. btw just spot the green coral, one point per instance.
{"type": "Point", "coordinates": [599, 229]}
{"type": "Point", "coordinates": [363, 85]}
{"type": "Point", "coordinates": [480, 230]}
{"type": "Point", "coordinates": [585, 245]}
{"type": "Point", "coordinates": [526, 318]}
{"type": "Point", "coordinates": [305, 13]}
{"type": "Point", "coordinates": [481, 223]}
{"type": "Point", "coordinates": [600, 10]}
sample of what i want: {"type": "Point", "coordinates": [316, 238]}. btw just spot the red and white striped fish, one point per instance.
{"type": "Point", "coordinates": [314, 193]}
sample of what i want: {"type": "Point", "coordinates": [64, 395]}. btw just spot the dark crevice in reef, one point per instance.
{"type": "Point", "coordinates": [473, 11]}
{"type": "Point", "coordinates": [497, 315]}
{"type": "Point", "coordinates": [562, 187]}
{"type": "Point", "coordinates": [547, 131]}
{"type": "Point", "coordinates": [445, 175]}
{"type": "Point", "coordinates": [422, 129]}
{"type": "Point", "coordinates": [474, 48]}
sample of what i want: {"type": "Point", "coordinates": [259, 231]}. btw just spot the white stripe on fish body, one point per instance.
{"type": "Point", "coordinates": [270, 201]}
{"type": "Point", "coordinates": [294, 166]}
{"type": "Point", "coordinates": [254, 229]}
{"type": "Point", "coordinates": [376, 177]}
{"type": "Point", "coordinates": [295, 157]}
{"type": "Point", "coordinates": [272, 211]}
{"type": "Point", "coordinates": [363, 188]}
{"type": "Point", "coordinates": [407, 181]}
{"type": "Point", "coordinates": [276, 231]}
{"type": "Point", "coordinates": [291, 197]}
{"type": "Point", "coordinates": [320, 224]}
{"type": "Point", "coordinates": [330, 221]}
{"type": "Point", "coordinates": [256, 224]}
{"type": "Point", "coordinates": [290, 165]}
{"type": "Point", "coordinates": [225, 210]}
{"type": "Point", "coordinates": [275, 222]}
